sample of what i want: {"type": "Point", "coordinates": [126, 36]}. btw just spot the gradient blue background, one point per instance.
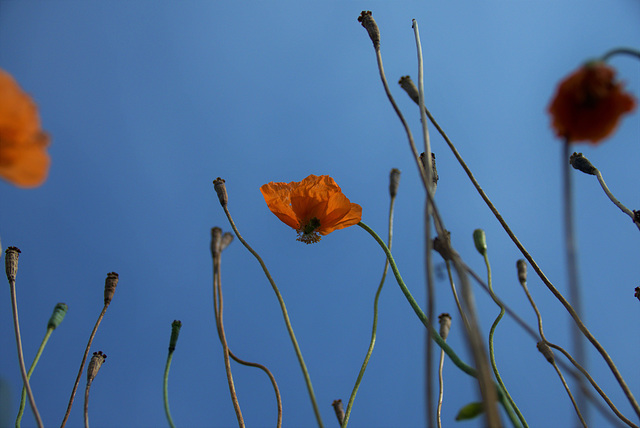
{"type": "Point", "coordinates": [148, 102]}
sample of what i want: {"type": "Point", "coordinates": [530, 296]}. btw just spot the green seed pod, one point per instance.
{"type": "Point", "coordinates": [175, 331]}
{"type": "Point", "coordinates": [58, 315]}
{"type": "Point", "coordinates": [480, 239]}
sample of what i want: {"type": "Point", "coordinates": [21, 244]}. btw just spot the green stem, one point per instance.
{"type": "Point", "coordinates": [165, 389]}
{"type": "Point", "coordinates": [23, 398]}
{"type": "Point", "coordinates": [434, 334]}
{"type": "Point", "coordinates": [492, 354]}
{"type": "Point", "coordinates": [285, 315]}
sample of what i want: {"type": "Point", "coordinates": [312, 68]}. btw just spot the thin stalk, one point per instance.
{"type": "Point", "coordinates": [455, 295]}
{"type": "Point", "coordinates": [434, 334]}
{"type": "Point", "coordinates": [575, 297]}
{"type": "Point", "coordinates": [573, 401]}
{"type": "Point", "coordinates": [492, 354]}
{"type": "Point", "coordinates": [86, 405]}
{"type": "Point", "coordinates": [440, 390]}
{"type": "Point", "coordinates": [427, 230]}
{"type": "Point", "coordinates": [165, 389]}
{"type": "Point", "coordinates": [84, 360]}
{"type": "Point", "coordinates": [23, 397]}
{"type": "Point", "coordinates": [23, 370]}
{"type": "Point", "coordinates": [374, 327]}
{"type": "Point", "coordinates": [285, 315]}
{"type": "Point", "coordinates": [218, 311]}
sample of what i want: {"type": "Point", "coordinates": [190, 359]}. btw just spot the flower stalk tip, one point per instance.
{"type": "Point", "coordinates": [367, 21]}
{"type": "Point", "coordinates": [521, 265]}
{"type": "Point", "coordinates": [11, 256]}
{"type": "Point", "coordinates": [175, 332]}
{"type": "Point", "coordinates": [410, 88]}
{"type": "Point", "coordinates": [227, 238]}
{"type": "Point", "coordinates": [110, 284]}
{"type": "Point", "coordinates": [59, 312]}
{"type": "Point", "coordinates": [216, 241]}
{"type": "Point", "coordinates": [394, 182]}
{"type": "Point", "coordinates": [445, 324]}
{"type": "Point", "coordinates": [637, 293]}
{"type": "Point", "coordinates": [581, 163]}
{"type": "Point", "coordinates": [221, 190]}
{"type": "Point", "coordinates": [480, 241]}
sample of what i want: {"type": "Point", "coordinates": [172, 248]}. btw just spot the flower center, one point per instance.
{"type": "Point", "coordinates": [307, 233]}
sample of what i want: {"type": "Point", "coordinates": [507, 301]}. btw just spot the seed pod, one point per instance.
{"type": "Point", "coordinates": [110, 284]}
{"type": "Point", "coordinates": [367, 21]}
{"type": "Point", "coordinates": [11, 262]}
{"type": "Point", "coordinates": [394, 182]}
{"type": "Point", "coordinates": [480, 240]}
{"type": "Point", "coordinates": [221, 190]}
{"type": "Point", "coordinates": [522, 271]}
{"type": "Point", "coordinates": [58, 315]}
{"type": "Point", "coordinates": [175, 332]}
{"type": "Point", "coordinates": [94, 365]}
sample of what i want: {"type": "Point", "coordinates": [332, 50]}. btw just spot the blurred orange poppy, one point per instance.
{"type": "Point", "coordinates": [589, 103]}
{"type": "Point", "coordinates": [23, 157]}
{"type": "Point", "coordinates": [314, 206]}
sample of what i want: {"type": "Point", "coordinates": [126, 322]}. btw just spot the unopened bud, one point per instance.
{"type": "Point", "coordinates": [110, 284]}
{"type": "Point", "coordinates": [546, 351]}
{"type": "Point", "coordinates": [394, 182]}
{"type": "Point", "coordinates": [226, 240]}
{"type": "Point", "coordinates": [581, 163]}
{"type": "Point", "coordinates": [11, 262]}
{"type": "Point", "coordinates": [221, 190]}
{"type": "Point", "coordinates": [445, 324]}
{"type": "Point", "coordinates": [480, 240]}
{"type": "Point", "coordinates": [94, 365]}
{"type": "Point", "coordinates": [175, 331]}
{"type": "Point", "coordinates": [410, 88]}
{"type": "Point", "coordinates": [58, 315]}
{"type": "Point", "coordinates": [367, 21]}
{"type": "Point", "coordinates": [216, 240]}
{"type": "Point", "coordinates": [522, 271]}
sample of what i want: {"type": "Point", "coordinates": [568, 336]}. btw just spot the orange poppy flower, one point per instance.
{"type": "Point", "coordinates": [314, 206]}
{"type": "Point", "coordinates": [589, 104]}
{"type": "Point", "coordinates": [23, 157]}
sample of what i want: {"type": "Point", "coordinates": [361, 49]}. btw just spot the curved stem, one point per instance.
{"type": "Point", "coordinates": [165, 389]}
{"type": "Point", "coordinates": [23, 370]}
{"type": "Point", "coordinates": [86, 405]}
{"type": "Point", "coordinates": [285, 315]}
{"type": "Point", "coordinates": [374, 327]}
{"type": "Point", "coordinates": [84, 360]}
{"type": "Point", "coordinates": [621, 51]}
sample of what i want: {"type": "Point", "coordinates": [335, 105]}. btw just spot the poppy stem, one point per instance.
{"type": "Point", "coordinates": [434, 334]}
{"type": "Point", "coordinates": [621, 51]}
{"type": "Point", "coordinates": [285, 315]}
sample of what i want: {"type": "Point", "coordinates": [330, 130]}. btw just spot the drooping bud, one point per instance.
{"type": "Point", "coordinates": [110, 284]}
{"type": "Point", "coordinates": [546, 351]}
{"type": "Point", "coordinates": [216, 241]}
{"type": "Point", "coordinates": [394, 182]}
{"type": "Point", "coordinates": [221, 190]}
{"type": "Point", "coordinates": [94, 365]}
{"type": "Point", "coordinates": [175, 332]}
{"type": "Point", "coordinates": [410, 88]}
{"type": "Point", "coordinates": [581, 163]}
{"type": "Point", "coordinates": [367, 21]}
{"type": "Point", "coordinates": [11, 262]}
{"type": "Point", "coordinates": [522, 271]}
{"type": "Point", "coordinates": [445, 324]}
{"type": "Point", "coordinates": [337, 407]}
{"type": "Point", "coordinates": [480, 240]}
{"type": "Point", "coordinates": [226, 240]}
{"type": "Point", "coordinates": [58, 315]}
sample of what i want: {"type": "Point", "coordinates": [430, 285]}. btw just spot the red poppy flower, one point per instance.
{"type": "Point", "coordinates": [589, 103]}
{"type": "Point", "coordinates": [23, 157]}
{"type": "Point", "coordinates": [314, 206]}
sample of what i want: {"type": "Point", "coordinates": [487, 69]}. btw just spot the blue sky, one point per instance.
{"type": "Point", "coordinates": [148, 102]}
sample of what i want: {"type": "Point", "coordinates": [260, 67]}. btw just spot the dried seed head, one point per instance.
{"type": "Point", "coordinates": [637, 293]}
{"type": "Point", "coordinates": [94, 365]}
{"type": "Point", "coordinates": [522, 271]}
{"type": "Point", "coordinates": [394, 182]}
{"type": "Point", "coordinates": [11, 262]}
{"type": "Point", "coordinates": [410, 88]}
{"type": "Point", "coordinates": [221, 190]}
{"type": "Point", "coordinates": [480, 240]}
{"type": "Point", "coordinates": [579, 162]}
{"type": "Point", "coordinates": [175, 331]}
{"type": "Point", "coordinates": [445, 324]}
{"type": "Point", "coordinates": [367, 21]}
{"type": "Point", "coordinates": [337, 407]}
{"type": "Point", "coordinates": [443, 246]}
{"type": "Point", "coordinates": [110, 284]}
{"type": "Point", "coordinates": [216, 241]}
{"type": "Point", "coordinates": [226, 240]}
{"type": "Point", "coordinates": [58, 315]}
{"type": "Point", "coordinates": [546, 351]}
{"type": "Point", "coordinates": [434, 170]}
